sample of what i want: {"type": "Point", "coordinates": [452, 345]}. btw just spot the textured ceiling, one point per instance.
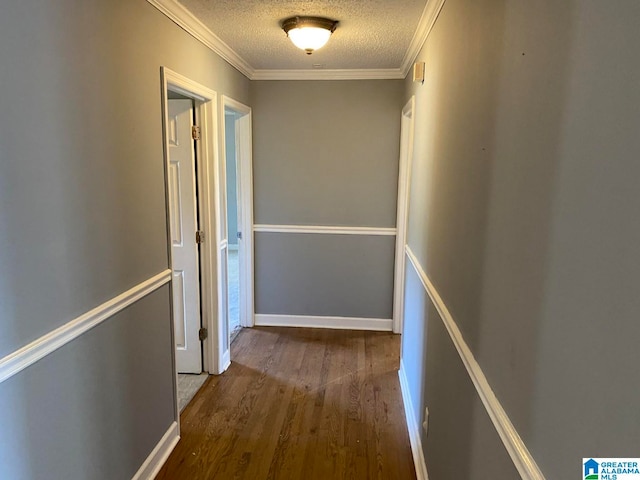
{"type": "Point", "coordinates": [372, 34]}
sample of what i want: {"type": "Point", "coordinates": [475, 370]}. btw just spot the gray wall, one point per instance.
{"type": "Point", "coordinates": [335, 275]}
{"type": "Point", "coordinates": [522, 204]}
{"type": "Point", "coordinates": [462, 442]}
{"type": "Point", "coordinates": [82, 219]}
{"type": "Point", "coordinates": [325, 153]}
{"type": "Point", "coordinates": [96, 407]}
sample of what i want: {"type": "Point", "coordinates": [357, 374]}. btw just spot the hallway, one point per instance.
{"type": "Point", "coordinates": [473, 189]}
{"type": "Point", "coordinates": [298, 403]}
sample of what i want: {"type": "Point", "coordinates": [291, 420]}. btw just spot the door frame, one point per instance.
{"type": "Point", "coordinates": [244, 159]}
{"type": "Point", "coordinates": [206, 109]}
{"type": "Point", "coordinates": [407, 126]}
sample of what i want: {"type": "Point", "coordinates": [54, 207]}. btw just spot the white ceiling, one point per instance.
{"type": "Point", "coordinates": [374, 38]}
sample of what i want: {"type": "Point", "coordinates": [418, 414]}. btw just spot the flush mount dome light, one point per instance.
{"type": "Point", "coordinates": [309, 33]}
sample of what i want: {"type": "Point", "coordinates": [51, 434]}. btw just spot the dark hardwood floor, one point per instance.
{"type": "Point", "coordinates": [298, 404]}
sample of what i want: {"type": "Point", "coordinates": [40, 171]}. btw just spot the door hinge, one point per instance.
{"type": "Point", "coordinates": [195, 132]}
{"type": "Point", "coordinates": [199, 236]}
{"type": "Point", "coordinates": [239, 235]}
{"type": "Point", "coordinates": [203, 334]}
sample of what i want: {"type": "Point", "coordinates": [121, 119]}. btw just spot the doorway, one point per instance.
{"type": "Point", "coordinates": [239, 218]}
{"type": "Point", "coordinates": [184, 229]}
{"type": "Point", "coordinates": [404, 186]}
{"type": "Point", "coordinates": [191, 175]}
{"type": "Point", "coordinates": [234, 234]}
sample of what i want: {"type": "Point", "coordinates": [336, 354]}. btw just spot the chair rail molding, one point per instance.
{"type": "Point", "coordinates": [324, 229]}
{"type": "Point", "coordinates": [515, 446]}
{"type": "Point", "coordinates": [29, 354]}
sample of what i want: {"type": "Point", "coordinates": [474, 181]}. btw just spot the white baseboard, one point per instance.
{"type": "Point", "coordinates": [413, 426]}
{"type": "Point", "coordinates": [340, 323]}
{"type": "Point", "coordinates": [226, 361]}
{"type": "Point", "coordinates": [515, 446]}
{"type": "Point", "coordinates": [159, 454]}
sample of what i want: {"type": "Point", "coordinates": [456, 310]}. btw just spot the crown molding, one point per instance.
{"type": "Point", "coordinates": [425, 25]}
{"type": "Point", "coordinates": [185, 19]}
{"type": "Point", "coordinates": [333, 74]}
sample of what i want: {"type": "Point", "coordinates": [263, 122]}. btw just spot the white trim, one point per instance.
{"type": "Point", "coordinates": [402, 216]}
{"type": "Point", "coordinates": [324, 229]}
{"type": "Point", "coordinates": [413, 426]}
{"type": "Point", "coordinates": [520, 455]}
{"type": "Point", "coordinates": [29, 354]}
{"type": "Point", "coordinates": [312, 321]}
{"type": "Point", "coordinates": [243, 144]}
{"type": "Point", "coordinates": [185, 19]}
{"type": "Point", "coordinates": [332, 74]}
{"type": "Point", "coordinates": [206, 107]}
{"type": "Point", "coordinates": [159, 455]}
{"type": "Point", "coordinates": [244, 141]}
{"type": "Point", "coordinates": [425, 25]}
{"type": "Point", "coordinates": [226, 359]}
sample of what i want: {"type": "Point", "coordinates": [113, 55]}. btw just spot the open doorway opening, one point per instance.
{"type": "Point", "coordinates": [404, 187]}
{"type": "Point", "coordinates": [239, 217]}
{"type": "Point", "coordinates": [183, 214]}
{"type": "Point", "coordinates": [189, 130]}
{"type": "Point", "coordinates": [184, 230]}
{"type": "Point", "coordinates": [234, 192]}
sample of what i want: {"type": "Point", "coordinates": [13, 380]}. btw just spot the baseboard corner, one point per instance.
{"type": "Point", "coordinates": [413, 427]}
{"type": "Point", "coordinates": [159, 455]}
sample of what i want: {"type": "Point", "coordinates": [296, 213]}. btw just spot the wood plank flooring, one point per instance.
{"type": "Point", "coordinates": [298, 404]}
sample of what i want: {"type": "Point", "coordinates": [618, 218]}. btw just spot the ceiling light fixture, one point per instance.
{"type": "Point", "coordinates": [309, 33]}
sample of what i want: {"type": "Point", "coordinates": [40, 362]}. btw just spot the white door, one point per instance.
{"type": "Point", "coordinates": [183, 225]}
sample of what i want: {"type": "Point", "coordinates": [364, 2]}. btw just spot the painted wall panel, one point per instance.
{"type": "Point", "coordinates": [325, 275]}
{"type": "Point", "coordinates": [414, 339]}
{"type": "Point", "coordinates": [522, 193]}
{"type": "Point", "coordinates": [83, 219]}
{"type": "Point", "coordinates": [82, 178]}
{"type": "Point", "coordinates": [96, 407]}
{"type": "Point", "coordinates": [589, 315]}
{"type": "Point", "coordinates": [462, 442]}
{"type": "Point", "coordinates": [326, 152]}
